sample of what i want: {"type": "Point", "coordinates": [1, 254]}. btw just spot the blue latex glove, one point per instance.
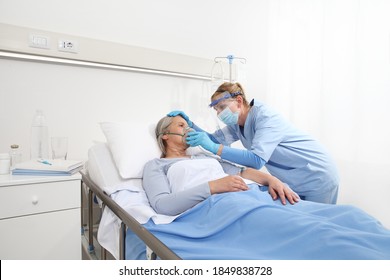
{"type": "Point", "coordinates": [195, 138]}
{"type": "Point", "coordinates": [182, 114]}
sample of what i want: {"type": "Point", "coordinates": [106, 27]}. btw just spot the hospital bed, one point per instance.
{"type": "Point", "coordinates": [100, 173]}
{"type": "Point", "coordinates": [251, 223]}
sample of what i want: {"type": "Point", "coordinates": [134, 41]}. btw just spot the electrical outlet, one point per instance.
{"type": "Point", "coordinates": [39, 41]}
{"type": "Point", "coordinates": [68, 46]}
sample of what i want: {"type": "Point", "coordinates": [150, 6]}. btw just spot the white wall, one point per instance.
{"type": "Point", "coordinates": [323, 64]}
{"type": "Point", "coordinates": [76, 99]}
{"type": "Point", "coordinates": [328, 70]}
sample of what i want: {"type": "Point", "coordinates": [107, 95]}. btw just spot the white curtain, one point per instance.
{"type": "Point", "coordinates": [328, 71]}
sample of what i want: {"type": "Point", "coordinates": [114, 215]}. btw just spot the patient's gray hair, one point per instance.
{"type": "Point", "coordinates": [161, 129]}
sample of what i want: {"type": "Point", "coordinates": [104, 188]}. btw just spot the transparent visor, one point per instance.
{"type": "Point", "coordinates": [225, 96]}
{"type": "Point", "coordinates": [222, 105]}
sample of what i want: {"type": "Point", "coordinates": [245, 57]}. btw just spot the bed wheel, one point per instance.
{"type": "Point", "coordinates": [150, 255]}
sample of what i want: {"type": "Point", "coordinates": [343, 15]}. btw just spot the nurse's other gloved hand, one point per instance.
{"type": "Point", "coordinates": [182, 114]}
{"type": "Point", "coordinates": [195, 138]}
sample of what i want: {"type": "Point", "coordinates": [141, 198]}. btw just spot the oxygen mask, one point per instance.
{"type": "Point", "coordinates": [183, 135]}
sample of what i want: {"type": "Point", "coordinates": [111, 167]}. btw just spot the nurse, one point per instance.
{"type": "Point", "coordinates": [271, 141]}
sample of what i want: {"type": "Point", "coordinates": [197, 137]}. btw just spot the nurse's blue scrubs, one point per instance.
{"type": "Point", "coordinates": [292, 156]}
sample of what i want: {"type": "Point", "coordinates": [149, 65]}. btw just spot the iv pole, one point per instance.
{"type": "Point", "coordinates": [230, 58]}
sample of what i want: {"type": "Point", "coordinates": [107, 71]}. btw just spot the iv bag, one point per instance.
{"type": "Point", "coordinates": [217, 76]}
{"type": "Point", "coordinates": [241, 73]}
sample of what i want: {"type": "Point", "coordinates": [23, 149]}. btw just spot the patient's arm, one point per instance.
{"type": "Point", "coordinates": [276, 188]}
{"type": "Point", "coordinates": [160, 196]}
{"type": "Point", "coordinates": [231, 183]}
{"type": "Point", "coordinates": [164, 201]}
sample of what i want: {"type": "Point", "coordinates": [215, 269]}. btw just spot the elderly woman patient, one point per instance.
{"type": "Point", "coordinates": [217, 205]}
{"type": "Point", "coordinates": [171, 134]}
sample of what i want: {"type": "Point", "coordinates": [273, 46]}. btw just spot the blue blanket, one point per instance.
{"type": "Point", "coordinates": [250, 225]}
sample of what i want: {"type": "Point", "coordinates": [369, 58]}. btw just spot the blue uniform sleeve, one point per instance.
{"type": "Point", "coordinates": [243, 157]}
{"type": "Point", "coordinates": [162, 200]}
{"type": "Point", "coordinates": [240, 156]}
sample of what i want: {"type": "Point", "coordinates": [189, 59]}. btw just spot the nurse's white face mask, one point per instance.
{"type": "Point", "coordinates": [228, 117]}
{"type": "Point", "coordinates": [222, 105]}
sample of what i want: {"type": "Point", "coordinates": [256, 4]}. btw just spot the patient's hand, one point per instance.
{"type": "Point", "coordinates": [231, 183]}
{"type": "Point", "coordinates": [277, 188]}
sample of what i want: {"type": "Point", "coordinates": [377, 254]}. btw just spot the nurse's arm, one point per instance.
{"type": "Point", "coordinates": [242, 157]}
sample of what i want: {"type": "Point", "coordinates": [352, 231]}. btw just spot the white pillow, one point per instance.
{"type": "Point", "coordinates": [103, 172]}
{"type": "Point", "coordinates": [131, 146]}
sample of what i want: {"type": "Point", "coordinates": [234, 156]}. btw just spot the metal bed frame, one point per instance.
{"type": "Point", "coordinates": [158, 248]}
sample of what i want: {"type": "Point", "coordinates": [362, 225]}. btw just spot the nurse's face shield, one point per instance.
{"type": "Point", "coordinates": [221, 103]}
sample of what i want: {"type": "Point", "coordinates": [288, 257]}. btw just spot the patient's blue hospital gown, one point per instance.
{"type": "Point", "coordinates": [254, 226]}
{"type": "Point", "coordinates": [290, 155]}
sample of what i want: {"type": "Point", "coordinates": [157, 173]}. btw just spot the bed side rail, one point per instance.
{"type": "Point", "coordinates": [159, 248]}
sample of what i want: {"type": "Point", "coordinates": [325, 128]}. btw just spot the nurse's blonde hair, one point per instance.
{"type": "Point", "coordinates": [161, 129]}
{"type": "Point", "coordinates": [231, 88]}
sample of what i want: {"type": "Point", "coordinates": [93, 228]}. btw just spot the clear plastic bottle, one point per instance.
{"type": "Point", "coordinates": [39, 137]}
{"type": "Point", "coordinates": [15, 154]}
{"type": "Point", "coordinates": [4, 163]}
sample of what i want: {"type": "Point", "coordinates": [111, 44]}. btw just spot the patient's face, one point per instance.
{"type": "Point", "coordinates": [179, 127]}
